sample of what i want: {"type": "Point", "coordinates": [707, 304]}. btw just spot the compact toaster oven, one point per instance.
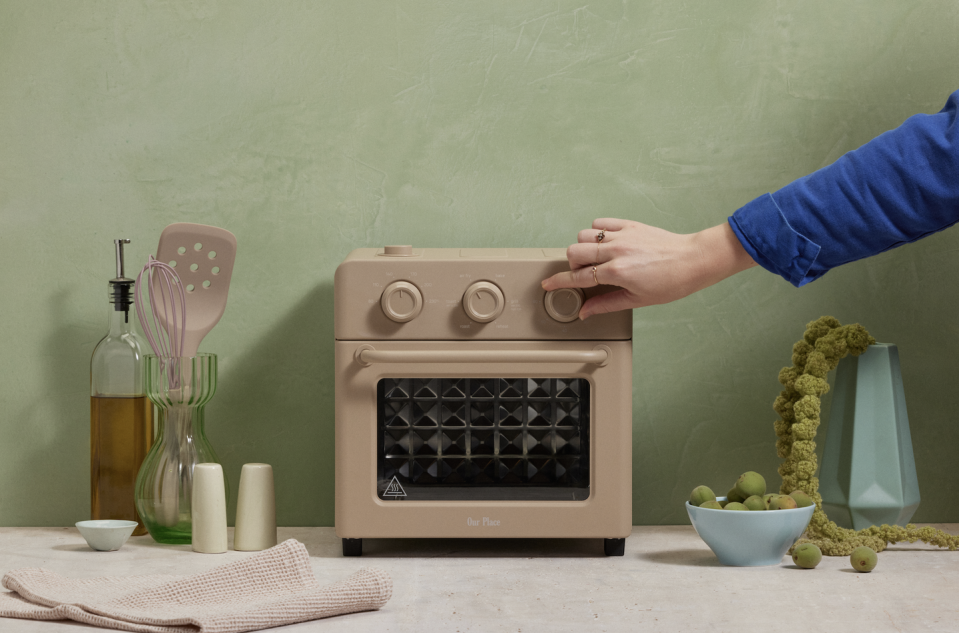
{"type": "Point", "coordinates": [472, 403]}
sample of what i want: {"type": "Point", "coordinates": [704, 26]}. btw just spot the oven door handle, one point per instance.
{"type": "Point", "coordinates": [367, 355]}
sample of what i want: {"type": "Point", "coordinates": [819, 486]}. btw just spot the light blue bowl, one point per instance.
{"type": "Point", "coordinates": [749, 538]}
{"type": "Point", "coordinates": [106, 535]}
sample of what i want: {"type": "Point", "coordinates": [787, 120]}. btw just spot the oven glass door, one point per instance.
{"type": "Point", "coordinates": [471, 439]}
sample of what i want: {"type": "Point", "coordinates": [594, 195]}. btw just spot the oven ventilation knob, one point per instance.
{"type": "Point", "coordinates": [564, 304]}
{"type": "Point", "coordinates": [483, 301]}
{"type": "Point", "coordinates": [401, 301]}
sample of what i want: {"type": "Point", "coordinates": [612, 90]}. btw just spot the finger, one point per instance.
{"type": "Point", "coordinates": [610, 302]}
{"type": "Point", "coordinates": [580, 255]}
{"type": "Point", "coordinates": [610, 224]}
{"type": "Point", "coordinates": [581, 278]}
{"type": "Point", "coordinates": [591, 236]}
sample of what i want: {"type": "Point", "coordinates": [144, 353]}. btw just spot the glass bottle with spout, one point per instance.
{"type": "Point", "coordinates": [121, 416]}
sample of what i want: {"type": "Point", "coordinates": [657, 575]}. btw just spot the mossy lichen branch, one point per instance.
{"type": "Point", "coordinates": [824, 344]}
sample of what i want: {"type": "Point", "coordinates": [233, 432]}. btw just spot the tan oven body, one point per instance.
{"type": "Point", "coordinates": [522, 342]}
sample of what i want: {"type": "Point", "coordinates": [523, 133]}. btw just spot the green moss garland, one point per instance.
{"type": "Point", "coordinates": [824, 344]}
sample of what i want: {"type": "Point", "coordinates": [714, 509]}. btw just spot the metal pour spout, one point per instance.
{"type": "Point", "coordinates": [118, 244]}
{"type": "Point", "coordinates": [121, 288]}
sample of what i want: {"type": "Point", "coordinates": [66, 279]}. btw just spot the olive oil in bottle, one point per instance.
{"type": "Point", "coordinates": [121, 416]}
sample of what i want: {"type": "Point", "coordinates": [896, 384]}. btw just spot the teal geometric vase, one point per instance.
{"type": "Point", "coordinates": [868, 472]}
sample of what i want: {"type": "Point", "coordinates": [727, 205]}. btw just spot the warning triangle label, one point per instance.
{"type": "Point", "coordinates": [394, 489]}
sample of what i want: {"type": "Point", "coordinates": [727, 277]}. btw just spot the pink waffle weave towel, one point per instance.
{"type": "Point", "coordinates": [270, 588]}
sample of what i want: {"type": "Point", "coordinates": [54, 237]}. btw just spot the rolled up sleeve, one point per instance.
{"type": "Point", "coordinates": [898, 188]}
{"type": "Point", "coordinates": [775, 245]}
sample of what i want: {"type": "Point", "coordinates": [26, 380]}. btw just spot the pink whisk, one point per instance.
{"type": "Point", "coordinates": [166, 326]}
{"type": "Point", "coordinates": [165, 329]}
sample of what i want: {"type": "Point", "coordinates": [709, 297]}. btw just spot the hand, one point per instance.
{"type": "Point", "coordinates": [651, 266]}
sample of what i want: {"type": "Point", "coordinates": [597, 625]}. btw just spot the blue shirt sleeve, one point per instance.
{"type": "Point", "coordinates": [895, 189]}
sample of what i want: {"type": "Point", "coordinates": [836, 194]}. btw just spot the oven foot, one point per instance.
{"type": "Point", "coordinates": [352, 547]}
{"type": "Point", "coordinates": [612, 546]}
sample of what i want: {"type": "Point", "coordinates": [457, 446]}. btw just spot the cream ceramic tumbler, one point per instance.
{"type": "Point", "coordinates": [209, 509]}
{"type": "Point", "coordinates": [255, 509]}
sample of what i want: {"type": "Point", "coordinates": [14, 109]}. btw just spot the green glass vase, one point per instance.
{"type": "Point", "coordinates": [180, 388]}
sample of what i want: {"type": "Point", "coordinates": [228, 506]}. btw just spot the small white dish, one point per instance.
{"type": "Point", "coordinates": [106, 535]}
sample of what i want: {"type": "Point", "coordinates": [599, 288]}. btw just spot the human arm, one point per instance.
{"type": "Point", "coordinates": [898, 188]}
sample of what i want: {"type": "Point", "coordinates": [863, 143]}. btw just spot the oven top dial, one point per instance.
{"type": "Point", "coordinates": [483, 301]}
{"type": "Point", "coordinates": [564, 304]}
{"type": "Point", "coordinates": [401, 301]}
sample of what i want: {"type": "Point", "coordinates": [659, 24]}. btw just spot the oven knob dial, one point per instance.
{"type": "Point", "coordinates": [564, 304]}
{"type": "Point", "coordinates": [483, 301]}
{"type": "Point", "coordinates": [401, 301]}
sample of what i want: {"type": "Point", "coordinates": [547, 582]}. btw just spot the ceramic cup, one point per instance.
{"type": "Point", "coordinates": [106, 535]}
{"type": "Point", "coordinates": [209, 509]}
{"type": "Point", "coordinates": [255, 509]}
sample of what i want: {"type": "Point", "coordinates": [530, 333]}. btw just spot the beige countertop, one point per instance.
{"type": "Point", "coordinates": [667, 581]}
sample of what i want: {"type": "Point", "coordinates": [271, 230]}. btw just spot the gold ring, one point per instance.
{"type": "Point", "coordinates": [601, 235]}
{"type": "Point", "coordinates": [596, 281]}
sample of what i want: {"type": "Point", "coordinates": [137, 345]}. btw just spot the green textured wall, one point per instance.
{"type": "Point", "coordinates": [312, 128]}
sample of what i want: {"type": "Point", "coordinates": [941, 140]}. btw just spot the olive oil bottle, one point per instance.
{"type": "Point", "coordinates": [121, 416]}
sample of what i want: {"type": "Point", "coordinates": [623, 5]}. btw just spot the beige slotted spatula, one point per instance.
{"type": "Point", "coordinates": [203, 257]}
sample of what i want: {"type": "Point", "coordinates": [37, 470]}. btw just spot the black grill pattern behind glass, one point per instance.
{"type": "Point", "coordinates": [498, 432]}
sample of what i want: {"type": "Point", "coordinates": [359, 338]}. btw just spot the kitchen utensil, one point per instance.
{"type": "Point", "coordinates": [106, 535]}
{"type": "Point", "coordinates": [165, 326]}
{"type": "Point", "coordinates": [189, 283]}
{"type": "Point", "coordinates": [209, 509]}
{"type": "Point", "coordinates": [203, 257]}
{"type": "Point", "coordinates": [751, 538]}
{"type": "Point", "coordinates": [255, 509]}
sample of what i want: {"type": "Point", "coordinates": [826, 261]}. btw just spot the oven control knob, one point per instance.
{"type": "Point", "coordinates": [483, 301]}
{"type": "Point", "coordinates": [564, 304]}
{"type": "Point", "coordinates": [398, 251]}
{"type": "Point", "coordinates": [401, 301]}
